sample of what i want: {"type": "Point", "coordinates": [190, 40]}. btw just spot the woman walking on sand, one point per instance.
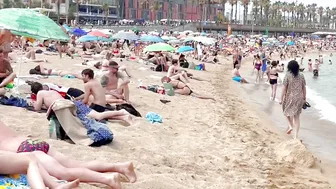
{"type": "Point", "coordinates": [293, 96]}
{"type": "Point", "coordinates": [257, 66]}
{"type": "Point", "coordinates": [273, 79]}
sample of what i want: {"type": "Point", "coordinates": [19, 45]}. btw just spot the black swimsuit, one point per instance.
{"type": "Point", "coordinates": [274, 81]}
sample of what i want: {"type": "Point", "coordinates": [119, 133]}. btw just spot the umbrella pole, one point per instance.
{"type": "Point", "coordinates": [19, 71]}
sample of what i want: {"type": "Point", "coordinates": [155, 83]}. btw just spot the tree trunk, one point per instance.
{"type": "Point", "coordinates": [231, 14]}
{"type": "Point", "coordinates": [58, 4]}
{"type": "Point", "coordinates": [236, 11]}
{"type": "Point", "coordinates": [77, 12]}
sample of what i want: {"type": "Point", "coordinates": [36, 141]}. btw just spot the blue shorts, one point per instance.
{"type": "Point", "coordinates": [236, 78]}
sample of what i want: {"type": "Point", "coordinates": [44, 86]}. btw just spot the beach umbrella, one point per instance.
{"type": "Point", "coordinates": [290, 43]}
{"type": "Point", "coordinates": [78, 32]}
{"type": "Point", "coordinates": [87, 38]}
{"type": "Point", "coordinates": [174, 41]}
{"type": "Point", "coordinates": [66, 27]}
{"type": "Point", "coordinates": [151, 38]}
{"type": "Point", "coordinates": [126, 36]}
{"type": "Point", "coordinates": [159, 47]}
{"type": "Point", "coordinates": [98, 34]}
{"type": "Point", "coordinates": [185, 49]}
{"type": "Point", "coordinates": [135, 29]}
{"type": "Point", "coordinates": [30, 23]}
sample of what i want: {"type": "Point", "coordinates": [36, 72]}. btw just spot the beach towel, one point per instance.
{"type": "Point", "coordinates": [98, 132]}
{"type": "Point", "coordinates": [13, 101]}
{"type": "Point", "coordinates": [153, 117]}
{"type": "Point", "coordinates": [65, 111]}
{"type": "Point", "coordinates": [16, 181]}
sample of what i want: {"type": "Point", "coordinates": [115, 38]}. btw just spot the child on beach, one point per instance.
{"type": "Point", "coordinates": [236, 75]}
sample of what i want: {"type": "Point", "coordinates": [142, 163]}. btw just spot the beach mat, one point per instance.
{"type": "Point", "coordinates": [16, 181]}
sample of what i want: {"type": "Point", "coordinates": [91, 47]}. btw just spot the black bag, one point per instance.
{"type": "Point", "coordinates": [129, 108]}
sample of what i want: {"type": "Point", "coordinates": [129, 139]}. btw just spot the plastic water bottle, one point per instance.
{"type": "Point", "coordinates": [139, 83]}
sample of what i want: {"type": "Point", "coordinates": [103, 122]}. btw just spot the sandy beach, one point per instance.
{"type": "Point", "coordinates": [200, 144]}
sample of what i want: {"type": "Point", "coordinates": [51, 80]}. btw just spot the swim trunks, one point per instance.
{"type": "Point", "coordinates": [97, 108]}
{"type": "Point", "coordinates": [30, 145]}
{"type": "Point", "coordinates": [236, 78]}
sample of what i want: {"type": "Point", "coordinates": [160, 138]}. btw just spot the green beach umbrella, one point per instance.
{"type": "Point", "coordinates": [135, 29]}
{"type": "Point", "coordinates": [159, 47]}
{"type": "Point", "coordinates": [30, 23]}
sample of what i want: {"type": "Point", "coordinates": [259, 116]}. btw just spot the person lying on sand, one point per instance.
{"type": "Point", "coordinates": [25, 163]}
{"type": "Point", "coordinates": [41, 70]}
{"type": "Point", "coordinates": [182, 88]}
{"type": "Point", "coordinates": [93, 88]}
{"type": "Point", "coordinates": [45, 99]}
{"type": "Point", "coordinates": [6, 73]}
{"type": "Point", "coordinates": [173, 72]}
{"type": "Point", "coordinates": [236, 75]}
{"type": "Point", "coordinates": [66, 92]}
{"type": "Point", "coordinates": [40, 158]}
{"type": "Point", "coordinates": [115, 93]}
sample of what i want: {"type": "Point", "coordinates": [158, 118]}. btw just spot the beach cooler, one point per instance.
{"type": "Point", "coordinates": [169, 89]}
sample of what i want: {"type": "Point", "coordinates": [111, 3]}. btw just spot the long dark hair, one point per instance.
{"type": "Point", "coordinates": [293, 67]}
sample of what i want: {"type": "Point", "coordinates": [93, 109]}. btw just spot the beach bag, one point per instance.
{"type": "Point", "coordinates": [169, 89]}
{"type": "Point", "coordinates": [129, 108]}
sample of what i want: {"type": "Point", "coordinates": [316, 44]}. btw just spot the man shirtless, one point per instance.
{"type": "Point", "coordinates": [173, 72]}
{"type": "Point", "coordinates": [44, 99]}
{"type": "Point", "coordinates": [94, 88]}
{"type": "Point", "coordinates": [115, 93]}
{"type": "Point", "coordinates": [6, 73]}
{"type": "Point", "coordinates": [182, 88]}
{"type": "Point", "coordinates": [53, 163]}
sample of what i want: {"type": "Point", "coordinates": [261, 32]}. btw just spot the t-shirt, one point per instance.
{"type": "Point", "coordinates": [57, 88]}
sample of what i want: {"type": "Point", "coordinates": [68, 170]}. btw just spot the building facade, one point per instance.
{"type": "Point", "coordinates": [180, 10]}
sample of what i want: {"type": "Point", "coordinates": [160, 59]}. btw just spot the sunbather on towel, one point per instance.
{"type": "Point", "coordinates": [41, 70]}
{"type": "Point", "coordinates": [47, 98]}
{"type": "Point", "coordinates": [182, 88]}
{"type": "Point", "coordinates": [37, 158]}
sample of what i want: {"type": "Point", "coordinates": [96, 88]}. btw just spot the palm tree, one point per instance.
{"type": "Point", "coordinates": [106, 9]}
{"type": "Point", "coordinates": [328, 17]}
{"type": "Point", "coordinates": [223, 2]}
{"type": "Point", "coordinates": [58, 10]}
{"type": "Point", "coordinates": [232, 3]}
{"type": "Point", "coordinates": [255, 10]}
{"type": "Point", "coordinates": [154, 8]}
{"type": "Point", "coordinates": [245, 4]}
{"type": "Point", "coordinates": [320, 12]}
{"type": "Point", "coordinates": [236, 9]}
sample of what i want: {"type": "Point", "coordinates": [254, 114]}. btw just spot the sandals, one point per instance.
{"type": "Point", "coordinates": [164, 101]}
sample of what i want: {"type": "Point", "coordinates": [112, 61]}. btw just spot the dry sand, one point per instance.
{"type": "Point", "coordinates": [200, 144]}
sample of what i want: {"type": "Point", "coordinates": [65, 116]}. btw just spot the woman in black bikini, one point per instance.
{"type": "Point", "coordinates": [273, 78]}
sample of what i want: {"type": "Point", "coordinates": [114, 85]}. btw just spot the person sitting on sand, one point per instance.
{"type": "Point", "coordinates": [182, 88]}
{"type": "Point", "coordinates": [94, 88]}
{"type": "Point", "coordinates": [104, 67]}
{"type": "Point", "coordinates": [41, 70]}
{"type": "Point", "coordinates": [6, 73]}
{"type": "Point", "coordinates": [173, 72]}
{"type": "Point", "coordinates": [236, 75]}
{"type": "Point", "coordinates": [39, 159]}
{"type": "Point", "coordinates": [115, 93]}
{"type": "Point", "coordinates": [45, 99]}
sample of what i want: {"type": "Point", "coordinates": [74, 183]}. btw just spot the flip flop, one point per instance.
{"type": "Point", "coordinates": [164, 101]}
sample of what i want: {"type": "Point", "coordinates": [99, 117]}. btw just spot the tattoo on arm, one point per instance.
{"type": "Point", "coordinates": [104, 81]}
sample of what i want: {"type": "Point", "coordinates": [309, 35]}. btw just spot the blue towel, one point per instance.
{"type": "Point", "coordinates": [153, 117]}
{"type": "Point", "coordinates": [14, 182]}
{"type": "Point", "coordinates": [97, 131]}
